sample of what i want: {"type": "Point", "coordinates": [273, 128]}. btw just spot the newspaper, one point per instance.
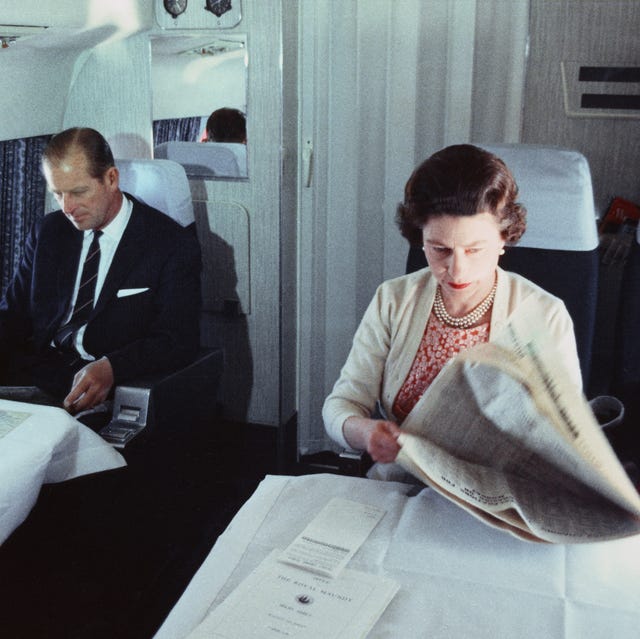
{"type": "Point", "coordinates": [504, 433]}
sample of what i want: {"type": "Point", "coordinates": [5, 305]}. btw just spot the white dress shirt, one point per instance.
{"type": "Point", "coordinates": [109, 240]}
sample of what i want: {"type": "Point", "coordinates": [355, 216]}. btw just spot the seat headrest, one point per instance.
{"type": "Point", "coordinates": [202, 159]}
{"type": "Point", "coordinates": [162, 184]}
{"type": "Point", "coordinates": [555, 187]}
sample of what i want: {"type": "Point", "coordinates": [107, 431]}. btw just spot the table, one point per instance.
{"type": "Point", "coordinates": [43, 444]}
{"type": "Point", "coordinates": [459, 578]}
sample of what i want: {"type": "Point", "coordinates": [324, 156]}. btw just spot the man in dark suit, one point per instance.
{"type": "Point", "coordinates": [143, 316]}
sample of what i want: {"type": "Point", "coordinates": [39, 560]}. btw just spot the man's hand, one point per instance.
{"type": "Point", "coordinates": [91, 385]}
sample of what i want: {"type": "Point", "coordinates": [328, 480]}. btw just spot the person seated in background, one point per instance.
{"type": "Point", "coordinates": [226, 125]}
{"type": "Point", "coordinates": [108, 288]}
{"type": "Point", "coordinates": [460, 206]}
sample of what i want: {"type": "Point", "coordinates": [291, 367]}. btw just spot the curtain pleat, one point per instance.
{"type": "Point", "coordinates": [22, 198]}
{"type": "Point", "coordinates": [185, 129]}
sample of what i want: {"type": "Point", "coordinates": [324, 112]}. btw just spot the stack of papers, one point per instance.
{"type": "Point", "coordinates": [305, 591]}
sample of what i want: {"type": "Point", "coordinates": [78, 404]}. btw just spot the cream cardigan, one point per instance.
{"type": "Point", "coordinates": [391, 329]}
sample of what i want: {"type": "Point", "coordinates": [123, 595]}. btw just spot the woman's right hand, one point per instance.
{"type": "Point", "coordinates": [377, 436]}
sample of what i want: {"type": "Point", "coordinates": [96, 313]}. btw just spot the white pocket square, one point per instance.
{"type": "Point", "coordinates": [125, 292]}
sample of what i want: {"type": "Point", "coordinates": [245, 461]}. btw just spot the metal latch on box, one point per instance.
{"type": "Point", "coordinates": [130, 413]}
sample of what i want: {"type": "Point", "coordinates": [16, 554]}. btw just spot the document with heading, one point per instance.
{"type": "Point", "coordinates": [279, 600]}
{"type": "Point", "coordinates": [330, 540]}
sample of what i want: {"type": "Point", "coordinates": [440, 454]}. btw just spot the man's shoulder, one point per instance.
{"type": "Point", "coordinates": [152, 216]}
{"type": "Point", "coordinates": [159, 229]}
{"type": "Point", "coordinates": [163, 233]}
{"type": "Point", "coordinates": [54, 223]}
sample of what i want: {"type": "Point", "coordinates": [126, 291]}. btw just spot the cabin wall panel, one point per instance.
{"type": "Point", "coordinates": [599, 33]}
{"type": "Point", "coordinates": [111, 92]}
{"type": "Point", "coordinates": [49, 14]}
{"type": "Point", "coordinates": [255, 387]}
{"type": "Point", "coordinates": [384, 85]}
{"type": "Point", "coordinates": [593, 32]}
{"type": "Point", "coordinates": [75, 13]}
{"type": "Point", "coordinates": [33, 107]}
{"type": "Point", "coordinates": [500, 58]}
{"type": "Point", "coordinates": [289, 329]}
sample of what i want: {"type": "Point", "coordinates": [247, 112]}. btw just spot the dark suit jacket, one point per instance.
{"type": "Point", "coordinates": [152, 331]}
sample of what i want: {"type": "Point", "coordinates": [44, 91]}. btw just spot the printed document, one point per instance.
{"type": "Point", "coordinates": [278, 600]}
{"type": "Point", "coordinates": [329, 541]}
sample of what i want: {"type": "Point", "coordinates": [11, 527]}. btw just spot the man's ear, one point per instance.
{"type": "Point", "coordinates": [112, 177]}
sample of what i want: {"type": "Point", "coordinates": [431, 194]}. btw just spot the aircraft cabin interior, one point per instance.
{"type": "Point", "coordinates": [210, 497]}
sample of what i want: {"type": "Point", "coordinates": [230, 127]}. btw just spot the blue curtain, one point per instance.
{"type": "Point", "coordinates": [22, 198]}
{"type": "Point", "coordinates": [185, 129]}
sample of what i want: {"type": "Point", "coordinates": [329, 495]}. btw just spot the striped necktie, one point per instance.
{"type": "Point", "coordinates": [87, 289]}
{"type": "Point", "coordinates": [85, 298]}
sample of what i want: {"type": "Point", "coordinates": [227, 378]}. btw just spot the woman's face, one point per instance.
{"type": "Point", "coordinates": [463, 253]}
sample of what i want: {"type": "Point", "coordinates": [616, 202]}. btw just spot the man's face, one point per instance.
{"type": "Point", "coordinates": [89, 203]}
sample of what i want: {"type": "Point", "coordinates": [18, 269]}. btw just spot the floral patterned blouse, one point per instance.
{"type": "Point", "coordinates": [438, 345]}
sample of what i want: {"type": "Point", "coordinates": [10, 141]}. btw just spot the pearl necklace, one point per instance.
{"type": "Point", "coordinates": [468, 320]}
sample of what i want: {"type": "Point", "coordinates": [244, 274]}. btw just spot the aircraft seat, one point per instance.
{"type": "Point", "coordinates": [170, 400]}
{"type": "Point", "coordinates": [205, 159]}
{"type": "Point", "coordinates": [626, 378]}
{"type": "Point", "coordinates": [559, 249]}
{"type": "Point", "coordinates": [161, 184]}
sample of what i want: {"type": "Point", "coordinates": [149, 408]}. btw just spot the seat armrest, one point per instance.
{"type": "Point", "coordinates": [165, 402]}
{"type": "Point", "coordinates": [354, 463]}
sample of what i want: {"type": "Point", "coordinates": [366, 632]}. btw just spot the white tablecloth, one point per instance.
{"type": "Point", "coordinates": [42, 444]}
{"type": "Point", "coordinates": [459, 578]}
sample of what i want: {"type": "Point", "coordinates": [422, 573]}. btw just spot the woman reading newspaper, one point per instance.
{"type": "Point", "coordinates": [460, 206]}
{"type": "Point", "coordinates": [476, 372]}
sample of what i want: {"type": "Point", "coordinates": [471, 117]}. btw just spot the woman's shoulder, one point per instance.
{"type": "Point", "coordinates": [519, 288]}
{"type": "Point", "coordinates": [407, 285]}
{"type": "Point", "coordinates": [410, 280]}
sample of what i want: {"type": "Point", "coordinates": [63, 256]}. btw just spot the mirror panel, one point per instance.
{"type": "Point", "coordinates": [192, 76]}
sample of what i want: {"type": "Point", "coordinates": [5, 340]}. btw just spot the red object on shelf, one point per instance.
{"type": "Point", "coordinates": [620, 211]}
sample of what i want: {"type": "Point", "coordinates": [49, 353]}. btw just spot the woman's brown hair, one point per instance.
{"type": "Point", "coordinates": [461, 180]}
